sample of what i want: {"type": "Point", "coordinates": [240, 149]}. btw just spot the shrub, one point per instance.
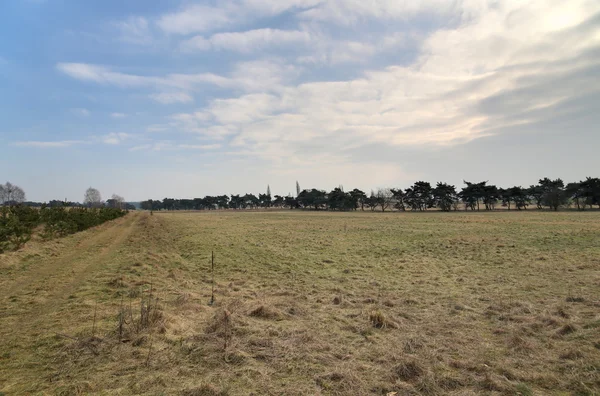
{"type": "Point", "coordinates": [18, 222]}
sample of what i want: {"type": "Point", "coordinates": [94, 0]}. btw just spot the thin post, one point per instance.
{"type": "Point", "coordinates": [212, 270]}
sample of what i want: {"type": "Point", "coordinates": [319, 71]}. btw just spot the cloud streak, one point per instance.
{"type": "Point", "coordinates": [45, 144]}
{"type": "Point", "coordinates": [248, 41]}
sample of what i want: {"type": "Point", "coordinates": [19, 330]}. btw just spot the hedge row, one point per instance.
{"type": "Point", "coordinates": [17, 223]}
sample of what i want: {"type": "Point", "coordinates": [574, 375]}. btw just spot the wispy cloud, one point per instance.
{"type": "Point", "coordinates": [201, 18]}
{"type": "Point", "coordinates": [49, 144]}
{"type": "Point", "coordinates": [196, 18]}
{"type": "Point", "coordinates": [200, 146]}
{"type": "Point", "coordinates": [468, 82]}
{"type": "Point", "coordinates": [167, 145]}
{"type": "Point", "coordinates": [172, 97]}
{"type": "Point", "coordinates": [249, 76]}
{"type": "Point", "coordinates": [118, 115]}
{"type": "Point", "coordinates": [134, 30]}
{"type": "Point", "coordinates": [332, 79]}
{"type": "Point", "coordinates": [81, 112]}
{"type": "Point", "coordinates": [248, 41]}
{"type": "Point", "coordinates": [115, 138]}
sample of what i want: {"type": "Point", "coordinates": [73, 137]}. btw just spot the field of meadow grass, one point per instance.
{"type": "Point", "coordinates": [307, 303]}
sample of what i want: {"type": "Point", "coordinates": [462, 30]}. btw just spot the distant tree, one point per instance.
{"type": "Point", "coordinates": [146, 205]}
{"type": "Point", "coordinates": [445, 196]}
{"type": "Point", "coordinates": [419, 196]}
{"type": "Point", "coordinates": [384, 198]}
{"type": "Point", "coordinates": [371, 201]}
{"type": "Point", "coordinates": [116, 201]}
{"type": "Point", "coordinates": [278, 201]}
{"type": "Point", "coordinates": [298, 191]}
{"type": "Point", "coordinates": [250, 201]}
{"type": "Point", "coordinates": [291, 202]}
{"type": "Point", "coordinates": [340, 200]}
{"type": "Point", "coordinates": [264, 200]}
{"type": "Point", "coordinates": [399, 198]}
{"type": "Point", "coordinates": [313, 198]}
{"type": "Point", "coordinates": [519, 196]}
{"type": "Point", "coordinates": [491, 195]}
{"type": "Point", "coordinates": [268, 190]}
{"type": "Point", "coordinates": [473, 194]}
{"type": "Point", "coordinates": [11, 194]}
{"type": "Point", "coordinates": [577, 193]}
{"type": "Point", "coordinates": [536, 194]}
{"type": "Point", "coordinates": [554, 194]}
{"type": "Point", "coordinates": [222, 201]}
{"type": "Point", "coordinates": [505, 196]}
{"type": "Point", "coordinates": [92, 198]}
{"type": "Point", "coordinates": [591, 188]}
{"type": "Point", "coordinates": [236, 202]}
{"type": "Point", "coordinates": [358, 199]}
{"type": "Point", "coordinates": [169, 204]}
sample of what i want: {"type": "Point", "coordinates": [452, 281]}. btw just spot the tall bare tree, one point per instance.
{"type": "Point", "coordinates": [384, 198]}
{"type": "Point", "coordinates": [9, 193]}
{"type": "Point", "coordinates": [116, 201]}
{"type": "Point", "coordinates": [92, 198]}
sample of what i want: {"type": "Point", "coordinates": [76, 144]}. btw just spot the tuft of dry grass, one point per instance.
{"type": "Point", "coordinates": [409, 370]}
{"type": "Point", "coordinates": [380, 321]}
{"type": "Point", "coordinates": [265, 312]}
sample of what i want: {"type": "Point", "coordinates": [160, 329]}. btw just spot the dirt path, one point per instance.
{"type": "Point", "coordinates": [77, 256]}
{"type": "Point", "coordinates": [33, 299]}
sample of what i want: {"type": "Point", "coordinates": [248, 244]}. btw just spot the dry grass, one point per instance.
{"type": "Point", "coordinates": [307, 303]}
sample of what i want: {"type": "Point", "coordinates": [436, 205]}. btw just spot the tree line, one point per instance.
{"type": "Point", "coordinates": [19, 219]}
{"type": "Point", "coordinates": [421, 196]}
{"type": "Point", "coordinates": [11, 195]}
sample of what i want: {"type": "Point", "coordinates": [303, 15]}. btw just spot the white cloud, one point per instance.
{"type": "Point", "coordinates": [200, 146]}
{"type": "Point", "coordinates": [170, 146]}
{"type": "Point", "coordinates": [248, 76]}
{"type": "Point", "coordinates": [492, 65]}
{"type": "Point", "coordinates": [172, 97]}
{"type": "Point", "coordinates": [42, 144]}
{"type": "Point", "coordinates": [115, 138]}
{"type": "Point", "coordinates": [118, 115]}
{"type": "Point", "coordinates": [103, 75]}
{"type": "Point", "coordinates": [196, 43]}
{"type": "Point", "coordinates": [353, 12]}
{"type": "Point", "coordinates": [195, 18]}
{"type": "Point", "coordinates": [134, 30]}
{"type": "Point", "coordinates": [248, 41]}
{"type": "Point", "coordinates": [200, 18]}
{"type": "Point", "coordinates": [81, 112]}
{"type": "Point", "coordinates": [494, 71]}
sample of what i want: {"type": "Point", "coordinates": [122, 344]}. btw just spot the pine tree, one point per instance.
{"type": "Point", "coordinates": [268, 190]}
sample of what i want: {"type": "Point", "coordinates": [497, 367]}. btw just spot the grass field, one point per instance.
{"type": "Point", "coordinates": [307, 303]}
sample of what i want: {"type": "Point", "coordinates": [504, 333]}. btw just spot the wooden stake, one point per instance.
{"type": "Point", "coordinates": [212, 270]}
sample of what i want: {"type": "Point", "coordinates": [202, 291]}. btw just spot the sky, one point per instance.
{"type": "Point", "coordinates": [183, 99]}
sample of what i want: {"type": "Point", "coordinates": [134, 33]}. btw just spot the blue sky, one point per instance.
{"type": "Point", "coordinates": [183, 99]}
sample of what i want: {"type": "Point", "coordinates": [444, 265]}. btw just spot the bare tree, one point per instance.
{"type": "Point", "coordinates": [384, 198]}
{"type": "Point", "coordinates": [9, 193]}
{"type": "Point", "coordinates": [116, 201]}
{"type": "Point", "coordinates": [92, 197]}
